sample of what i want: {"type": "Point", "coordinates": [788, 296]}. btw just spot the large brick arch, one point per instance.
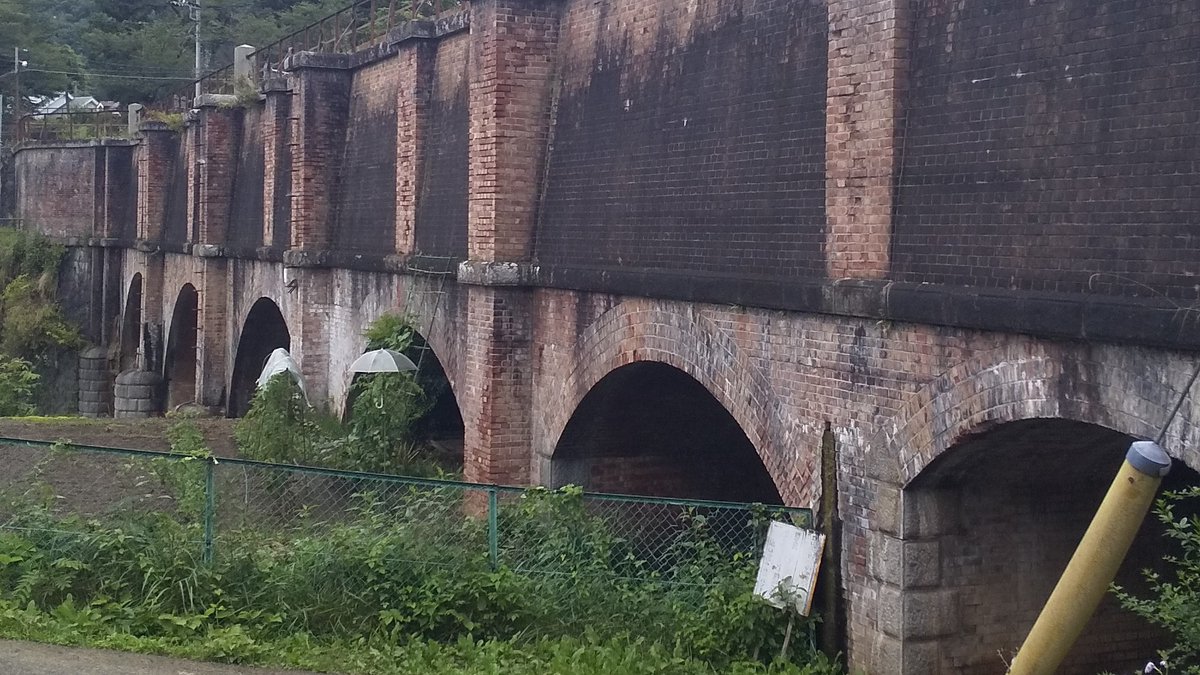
{"type": "Point", "coordinates": [645, 330]}
{"type": "Point", "coordinates": [1124, 389]}
{"type": "Point", "coordinates": [923, 540]}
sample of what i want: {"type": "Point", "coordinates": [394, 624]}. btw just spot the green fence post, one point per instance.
{"type": "Point", "coordinates": [209, 509]}
{"type": "Point", "coordinates": [493, 529]}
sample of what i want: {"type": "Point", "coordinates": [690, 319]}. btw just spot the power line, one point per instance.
{"type": "Point", "coordinates": [118, 76]}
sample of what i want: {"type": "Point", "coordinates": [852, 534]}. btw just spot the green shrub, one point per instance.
{"type": "Point", "coordinates": [18, 385]}
{"type": "Point", "coordinates": [407, 575]}
{"type": "Point", "coordinates": [1173, 600]}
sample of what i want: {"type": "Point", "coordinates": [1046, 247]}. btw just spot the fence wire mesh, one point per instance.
{"type": "Point", "coordinates": [208, 511]}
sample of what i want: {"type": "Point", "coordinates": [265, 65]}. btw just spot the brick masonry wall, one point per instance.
{"type": "Point", "coordinates": [216, 133]}
{"type": "Point", "coordinates": [441, 209]}
{"type": "Point", "coordinates": [414, 77]}
{"type": "Point", "coordinates": [511, 62]}
{"type": "Point", "coordinates": [364, 194]}
{"type": "Point", "coordinates": [320, 110]}
{"type": "Point", "coordinates": [1050, 142]}
{"type": "Point", "coordinates": [277, 168]}
{"type": "Point", "coordinates": [155, 158]}
{"type": "Point", "coordinates": [246, 209]}
{"type": "Point", "coordinates": [175, 225]}
{"type": "Point", "coordinates": [896, 395]}
{"type": "Point", "coordinates": [56, 189]}
{"type": "Point", "coordinates": [688, 138]}
{"type": "Point", "coordinates": [868, 51]}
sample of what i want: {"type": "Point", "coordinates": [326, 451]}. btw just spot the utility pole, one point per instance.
{"type": "Point", "coordinates": [17, 77]}
{"type": "Point", "coordinates": [193, 8]}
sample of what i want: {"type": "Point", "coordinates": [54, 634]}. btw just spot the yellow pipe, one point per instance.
{"type": "Point", "coordinates": [1095, 562]}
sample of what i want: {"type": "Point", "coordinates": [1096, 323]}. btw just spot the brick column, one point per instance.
{"type": "Point", "coordinates": [497, 392]}
{"type": "Point", "coordinates": [154, 156]}
{"type": "Point", "coordinates": [214, 170]}
{"type": "Point", "coordinates": [277, 164]}
{"type": "Point", "coordinates": [868, 63]}
{"type": "Point", "coordinates": [320, 112]}
{"type": "Point", "coordinates": [154, 337]}
{"type": "Point", "coordinates": [211, 332]}
{"type": "Point", "coordinates": [415, 63]}
{"type": "Point", "coordinates": [512, 61]}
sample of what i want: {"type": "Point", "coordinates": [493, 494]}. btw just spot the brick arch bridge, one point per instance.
{"type": "Point", "coordinates": [815, 215]}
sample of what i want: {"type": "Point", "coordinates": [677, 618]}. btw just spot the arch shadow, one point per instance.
{"type": "Point", "coordinates": [180, 362]}
{"type": "Point", "coordinates": [263, 331]}
{"type": "Point", "coordinates": [650, 428]}
{"type": "Point", "coordinates": [131, 325]}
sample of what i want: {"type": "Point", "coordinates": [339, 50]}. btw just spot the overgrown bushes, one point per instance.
{"type": "Point", "coordinates": [406, 578]}
{"type": "Point", "coordinates": [382, 433]}
{"type": "Point", "coordinates": [1173, 598]}
{"type": "Point", "coordinates": [33, 331]}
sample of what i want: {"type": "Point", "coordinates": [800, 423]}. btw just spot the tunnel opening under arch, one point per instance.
{"type": "Point", "coordinates": [993, 522]}
{"type": "Point", "coordinates": [648, 428]}
{"type": "Point", "coordinates": [263, 331]}
{"type": "Point", "coordinates": [131, 325]}
{"type": "Point", "coordinates": [440, 431]}
{"type": "Point", "coordinates": [179, 368]}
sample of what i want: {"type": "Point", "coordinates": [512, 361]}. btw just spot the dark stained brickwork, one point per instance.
{"type": "Point", "coordinates": [1047, 142]}
{"type": "Point", "coordinates": [689, 140]}
{"type": "Point", "coordinates": [175, 224]}
{"type": "Point", "coordinates": [246, 218]}
{"type": "Point", "coordinates": [441, 216]}
{"type": "Point", "coordinates": [364, 196]}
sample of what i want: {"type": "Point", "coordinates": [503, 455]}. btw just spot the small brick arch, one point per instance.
{"type": "Point", "coordinates": [130, 335]}
{"type": "Point", "coordinates": [1028, 380]}
{"type": "Point", "coordinates": [245, 367]}
{"type": "Point", "coordinates": [642, 330]}
{"type": "Point", "coordinates": [440, 338]}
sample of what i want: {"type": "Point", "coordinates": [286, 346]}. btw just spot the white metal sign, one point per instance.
{"type": "Point", "coordinates": [787, 574]}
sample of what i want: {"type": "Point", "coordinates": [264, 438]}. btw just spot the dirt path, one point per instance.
{"type": "Point", "coordinates": [147, 434]}
{"type": "Point", "coordinates": [30, 658]}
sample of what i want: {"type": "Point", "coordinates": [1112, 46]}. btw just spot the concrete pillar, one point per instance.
{"type": "Point", "coordinates": [243, 65]}
{"type": "Point", "coordinates": [134, 118]}
{"type": "Point", "coordinates": [868, 64]}
{"type": "Point", "coordinates": [415, 63]}
{"type": "Point", "coordinates": [321, 108]}
{"type": "Point", "coordinates": [154, 155]}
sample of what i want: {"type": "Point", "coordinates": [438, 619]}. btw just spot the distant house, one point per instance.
{"type": "Point", "coordinates": [65, 102]}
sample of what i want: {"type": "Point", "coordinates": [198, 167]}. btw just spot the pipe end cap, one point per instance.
{"type": "Point", "coordinates": [1149, 458]}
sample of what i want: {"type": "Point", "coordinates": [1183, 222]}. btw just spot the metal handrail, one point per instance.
{"type": "Point", "coordinates": [359, 25]}
{"type": "Point", "coordinates": [72, 125]}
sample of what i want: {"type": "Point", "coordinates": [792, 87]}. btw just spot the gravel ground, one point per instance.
{"type": "Point", "coordinates": [28, 658]}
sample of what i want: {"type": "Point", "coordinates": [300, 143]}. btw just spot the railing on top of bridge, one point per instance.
{"type": "Point", "coordinates": [73, 125]}
{"type": "Point", "coordinates": [357, 26]}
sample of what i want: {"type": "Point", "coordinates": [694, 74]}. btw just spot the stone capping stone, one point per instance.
{"type": "Point", "coordinates": [139, 378]}
{"type": "Point", "coordinates": [208, 251]}
{"type": "Point", "coordinates": [481, 273]}
{"type": "Point", "coordinates": [215, 101]}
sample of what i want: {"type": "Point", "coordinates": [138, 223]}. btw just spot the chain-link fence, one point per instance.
{"type": "Point", "coordinates": [355, 531]}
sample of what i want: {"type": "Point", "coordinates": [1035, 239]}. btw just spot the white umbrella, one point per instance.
{"type": "Point", "coordinates": [382, 361]}
{"type": "Point", "coordinates": [280, 361]}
